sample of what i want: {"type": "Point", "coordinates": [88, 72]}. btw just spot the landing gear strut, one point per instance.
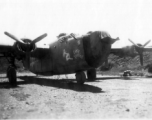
{"type": "Point", "coordinates": [80, 77]}
{"type": "Point", "coordinates": [11, 72]}
{"type": "Point", "coordinates": [91, 74]}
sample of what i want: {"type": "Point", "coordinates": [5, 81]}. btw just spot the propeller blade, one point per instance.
{"type": "Point", "coordinates": [141, 59]}
{"type": "Point", "coordinates": [146, 43]}
{"type": "Point", "coordinates": [13, 37]}
{"type": "Point", "coordinates": [39, 38]}
{"type": "Point", "coordinates": [132, 42]}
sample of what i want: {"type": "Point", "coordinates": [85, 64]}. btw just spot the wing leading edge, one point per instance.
{"type": "Point", "coordinates": [6, 50]}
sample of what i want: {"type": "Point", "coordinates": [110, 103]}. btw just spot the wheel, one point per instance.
{"type": "Point", "coordinates": [11, 74]}
{"type": "Point", "coordinates": [80, 77]}
{"type": "Point", "coordinates": [91, 74]}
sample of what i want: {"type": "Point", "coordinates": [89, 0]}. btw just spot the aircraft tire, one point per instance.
{"type": "Point", "coordinates": [80, 77]}
{"type": "Point", "coordinates": [11, 74]}
{"type": "Point", "coordinates": [91, 74]}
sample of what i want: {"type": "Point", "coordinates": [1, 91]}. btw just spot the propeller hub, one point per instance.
{"type": "Point", "coordinates": [27, 41]}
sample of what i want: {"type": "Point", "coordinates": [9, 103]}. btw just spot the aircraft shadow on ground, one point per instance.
{"type": "Point", "coordinates": [116, 78]}
{"type": "Point", "coordinates": [59, 83]}
{"type": "Point", "coordinates": [63, 83]}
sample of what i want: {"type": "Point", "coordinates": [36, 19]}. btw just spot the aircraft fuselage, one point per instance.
{"type": "Point", "coordinates": [71, 55]}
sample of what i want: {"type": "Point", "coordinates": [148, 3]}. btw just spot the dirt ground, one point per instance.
{"type": "Point", "coordinates": [54, 97]}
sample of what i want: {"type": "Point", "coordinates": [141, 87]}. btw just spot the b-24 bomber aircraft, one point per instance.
{"type": "Point", "coordinates": [69, 54]}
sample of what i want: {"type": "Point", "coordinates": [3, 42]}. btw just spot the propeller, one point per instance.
{"type": "Point", "coordinates": [24, 44]}
{"type": "Point", "coordinates": [140, 48]}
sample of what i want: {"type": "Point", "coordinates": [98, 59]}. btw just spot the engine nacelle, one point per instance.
{"type": "Point", "coordinates": [27, 47]}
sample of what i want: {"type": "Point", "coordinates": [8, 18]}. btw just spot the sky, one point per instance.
{"type": "Point", "coordinates": [120, 18]}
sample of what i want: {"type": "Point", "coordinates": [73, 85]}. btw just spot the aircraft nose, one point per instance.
{"type": "Point", "coordinates": [114, 40]}
{"type": "Point", "coordinates": [109, 40]}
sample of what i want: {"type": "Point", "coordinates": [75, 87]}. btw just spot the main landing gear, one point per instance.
{"type": "Point", "coordinates": [91, 74]}
{"type": "Point", "coordinates": [80, 77]}
{"type": "Point", "coordinates": [11, 72]}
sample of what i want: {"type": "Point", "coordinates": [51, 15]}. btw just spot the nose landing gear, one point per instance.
{"type": "Point", "coordinates": [80, 77]}
{"type": "Point", "coordinates": [91, 74]}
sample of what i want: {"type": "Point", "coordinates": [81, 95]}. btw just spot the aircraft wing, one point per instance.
{"type": "Point", "coordinates": [124, 51]}
{"type": "Point", "coordinates": [148, 49]}
{"type": "Point", "coordinates": [116, 51]}
{"type": "Point", "coordinates": [5, 49]}
{"type": "Point", "coordinates": [128, 51]}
